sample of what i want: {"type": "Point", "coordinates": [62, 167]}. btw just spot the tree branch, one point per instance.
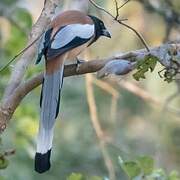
{"type": "Point", "coordinates": [165, 54]}
{"type": "Point", "coordinates": [8, 105]}
{"type": "Point", "coordinates": [97, 126]}
{"type": "Point", "coordinates": [23, 63]}
{"type": "Point", "coordinates": [117, 19]}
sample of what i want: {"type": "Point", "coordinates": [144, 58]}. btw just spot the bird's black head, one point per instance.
{"type": "Point", "coordinates": [100, 28]}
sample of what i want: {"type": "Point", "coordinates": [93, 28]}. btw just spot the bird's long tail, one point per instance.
{"type": "Point", "coordinates": [50, 99]}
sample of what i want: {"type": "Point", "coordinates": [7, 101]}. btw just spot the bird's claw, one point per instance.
{"type": "Point", "coordinates": [79, 63]}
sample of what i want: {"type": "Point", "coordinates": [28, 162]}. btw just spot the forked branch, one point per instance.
{"type": "Point", "coordinates": [117, 19]}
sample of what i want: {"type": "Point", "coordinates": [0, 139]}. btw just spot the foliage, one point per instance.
{"type": "Point", "coordinates": [142, 168]}
{"type": "Point", "coordinates": [3, 160]}
{"type": "Point", "coordinates": [170, 74]}
{"type": "Point", "coordinates": [24, 18]}
{"type": "Point", "coordinates": [8, 2]}
{"type": "Point", "coordinates": [75, 176]}
{"type": "Point", "coordinates": [149, 63]}
{"type": "Point", "coordinates": [137, 128]}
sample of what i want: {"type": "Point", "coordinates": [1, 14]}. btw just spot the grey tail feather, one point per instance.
{"type": "Point", "coordinates": [50, 99]}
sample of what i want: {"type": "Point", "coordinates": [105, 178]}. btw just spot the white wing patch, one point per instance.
{"type": "Point", "coordinates": [68, 33]}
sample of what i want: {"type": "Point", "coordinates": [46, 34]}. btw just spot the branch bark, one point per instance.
{"type": "Point", "coordinates": [8, 105]}
{"type": "Point", "coordinates": [16, 90]}
{"type": "Point", "coordinates": [25, 60]}
{"type": "Point", "coordinates": [165, 54]}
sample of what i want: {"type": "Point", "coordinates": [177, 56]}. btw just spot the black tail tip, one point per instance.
{"type": "Point", "coordinates": [42, 162]}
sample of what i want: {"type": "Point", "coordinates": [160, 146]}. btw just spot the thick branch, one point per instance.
{"type": "Point", "coordinates": [163, 53]}
{"type": "Point", "coordinates": [10, 100]}
{"type": "Point", "coordinates": [21, 66]}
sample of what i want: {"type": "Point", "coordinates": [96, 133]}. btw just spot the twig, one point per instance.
{"type": "Point", "coordinates": [106, 87]}
{"type": "Point", "coordinates": [97, 126]}
{"type": "Point", "coordinates": [9, 152]}
{"type": "Point", "coordinates": [101, 8]}
{"type": "Point", "coordinates": [27, 57]}
{"type": "Point", "coordinates": [113, 108]}
{"type": "Point", "coordinates": [120, 22]}
{"type": "Point", "coordinates": [117, 10]}
{"type": "Point", "coordinates": [124, 4]}
{"type": "Point", "coordinates": [144, 95]}
{"type": "Point", "coordinates": [162, 8]}
{"type": "Point", "coordinates": [111, 90]}
{"type": "Point", "coordinates": [11, 102]}
{"type": "Point", "coordinates": [8, 103]}
{"type": "Point", "coordinates": [138, 34]}
{"type": "Point", "coordinates": [171, 97]}
{"type": "Point", "coordinates": [21, 28]}
{"type": "Point", "coordinates": [95, 121]}
{"type": "Point", "coordinates": [119, 7]}
{"type": "Point", "coordinates": [20, 53]}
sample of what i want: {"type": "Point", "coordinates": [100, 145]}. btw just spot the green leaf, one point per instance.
{"type": "Point", "coordinates": [158, 174]}
{"type": "Point", "coordinates": [16, 41]}
{"type": "Point", "coordinates": [3, 162]}
{"type": "Point", "coordinates": [2, 178]}
{"type": "Point", "coordinates": [23, 18]}
{"type": "Point", "coordinates": [174, 175]}
{"type": "Point", "coordinates": [139, 75]}
{"type": "Point", "coordinates": [8, 2]}
{"type": "Point", "coordinates": [146, 163]}
{"type": "Point", "coordinates": [95, 178]}
{"type": "Point", "coordinates": [149, 63]}
{"type": "Point", "coordinates": [75, 176]}
{"type": "Point", "coordinates": [131, 168]}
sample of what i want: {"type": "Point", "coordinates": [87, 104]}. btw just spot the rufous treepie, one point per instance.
{"type": "Point", "coordinates": [69, 34]}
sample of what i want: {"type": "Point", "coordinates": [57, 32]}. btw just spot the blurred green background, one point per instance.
{"type": "Point", "coordinates": [138, 128]}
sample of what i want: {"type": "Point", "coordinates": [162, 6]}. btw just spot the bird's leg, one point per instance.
{"type": "Point", "coordinates": [79, 63]}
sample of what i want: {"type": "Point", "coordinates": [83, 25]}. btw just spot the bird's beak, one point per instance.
{"type": "Point", "coordinates": [106, 33]}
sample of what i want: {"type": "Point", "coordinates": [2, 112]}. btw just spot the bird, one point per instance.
{"type": "Point", "coordinates": [68, 35]}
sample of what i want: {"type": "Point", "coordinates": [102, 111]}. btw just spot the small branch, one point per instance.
{"type": "Point", "coordinates": [164, 9]}
{"type": "Point", "coordinates": [97, 126]}
{"type": "Point", "coordinates": [10, 99]}
{"type": "Point", "coordinates": [11, 102]}
{"type": "Point", "coordinates": [101, 8]}
{"type": "Point", "coordinates": [172, 97]}
{"type": "Point", "coordinates": [25, 60]}
{"type": "Point", "coordinates": [119, 7]}
{"type": "Point", "coordinates": [138, 34]}
{"type": "Point", "coordinates": [167, 11]}
{"type": "Point", "coordinates": [113, 112]}
{"type": "Point", "coordinates": [120, 21]}
{"type": "Point", "coordinates": [15, 23]}
{"type": "Point", "coordinates": [124, 4]}
{"type": "Point", "coordinates": [145, 95]}
{"type": "Point", "coordinates": [106, 87]}
{"type": "Point", "coordinates": [117, 10]}
{"type": "Point", "coordinates": [20, 53]}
